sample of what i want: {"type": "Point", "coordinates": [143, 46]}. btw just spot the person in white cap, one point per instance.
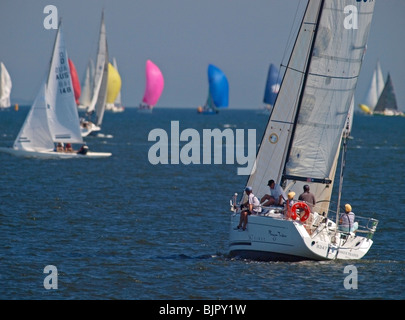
{"type": "Point", "coordinates": [252, 206]}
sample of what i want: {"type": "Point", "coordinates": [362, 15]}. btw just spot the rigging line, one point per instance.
{"type": "Point", "coordinates": [289, 39]}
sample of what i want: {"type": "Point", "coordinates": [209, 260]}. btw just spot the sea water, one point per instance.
{"type": "Point", "coordinates": [123, 228]}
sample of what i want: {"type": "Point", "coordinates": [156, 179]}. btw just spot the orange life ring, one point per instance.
{"type": "Point", "coordinates": [301, 206]}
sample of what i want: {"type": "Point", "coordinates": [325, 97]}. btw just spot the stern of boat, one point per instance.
{"type": "Point", "coordinates": [271, 237]}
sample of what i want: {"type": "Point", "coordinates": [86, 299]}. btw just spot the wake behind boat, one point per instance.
{"type": "Point", "coordinates": [302, 143]}
{"type": "Point", "coordinates": [53, 119]}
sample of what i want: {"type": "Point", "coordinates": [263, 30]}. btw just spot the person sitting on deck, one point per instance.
{"type": "Point", "coordinates": [288, 205]}
{"type": "Point", "coordinates": [83, 149]}
{"type": "Point", "coordinates": [59, 147]}
{"type": "Point", "coordinates": [346, 220]}
{"type": "Point", "coordinates": [68, 147]}
{"type": "Point", "coordinates": [276, 196]}
{"type": "Point", "coordinates": [252, 206]}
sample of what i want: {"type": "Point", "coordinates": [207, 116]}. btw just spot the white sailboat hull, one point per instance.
{"type": "Point", "coordinates": [90, 128]}
{"type": "Point", "coordinates": [275, 239]}
{"type": "Point", "coordinates": [50, 154]}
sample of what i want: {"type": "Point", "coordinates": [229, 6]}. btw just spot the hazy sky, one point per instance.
{"type": "Point", "coordinates": [182, 37]}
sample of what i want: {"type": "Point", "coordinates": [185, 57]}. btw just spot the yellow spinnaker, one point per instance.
{"type": "Point", "coordinates": [364, 108]}
{"type": "Point", "coordinates": [114, 84]}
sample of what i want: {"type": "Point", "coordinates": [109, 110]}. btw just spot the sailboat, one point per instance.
{"type": "Point", "coordinates": [374, 91]}
{"type": "Point", "coordinates": [387, 103]}
{"type": "Point", "coordinates": [53, 118]}
{"type": "Point", "coordinates": [75, 81]}
{"type": "Point", "coordinates": [5, 87]}
{"type": "Point", "coordinates": [218, 91]}
{"type": "Point", "coordinates": [114, 89]}
{"type": "Point", "coordinates": [303, 142]}
{"type": "Point", "coordinates": [272, 87]}
{"type": "Point", "coordinates": [87, 87]}
{"type": "Point", "coordinates": [153, 88]}
{"type": "Point", "coordinates": [95, 111]}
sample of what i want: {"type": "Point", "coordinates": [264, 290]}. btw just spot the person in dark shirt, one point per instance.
{"type": "Point", "coordinates": [308, 197]}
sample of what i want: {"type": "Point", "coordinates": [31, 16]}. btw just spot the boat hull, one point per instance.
{"type": "Point", "coordinates": [54, 155]}
{"type": "Point", "coordinates": [276, 239]}
{"type": "Point", "coordinates": [90, 129]}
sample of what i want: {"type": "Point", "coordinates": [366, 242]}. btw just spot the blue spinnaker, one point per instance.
{"type": "Point", "coordinates": [218, 86]}
{"type": "Point", "coordinates": [272, 85]}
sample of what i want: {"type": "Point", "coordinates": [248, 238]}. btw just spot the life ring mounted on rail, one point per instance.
{"type": "Point", "coordinates": [301, 206]}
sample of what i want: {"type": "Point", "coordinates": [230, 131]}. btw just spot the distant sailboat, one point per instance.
{"type": "Point", "coordinates": [87, 87]}
{"type": "Point", "coordinates": [374, 90]}
{"type": "Point", "coordinates": [5, 87]}
{"type": "Point", "coordinates": [218, 91]}
{"type": "Point", "coordinates": [75, 81]}
{"type": "Point", "coordinates": [153, 88]}
{"type": "Point", "coordinates": [272, 87]}
{"type": "Point", "coordinates": [53, 118]}
{"type": "Point", "coordinates": [114, 89]}
{"type": "Point", "coordinates": [95, 111]}
{"type": "Point", "coordinates": [387, 103]}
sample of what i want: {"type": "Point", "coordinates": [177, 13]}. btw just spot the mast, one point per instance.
{"type": "Point", "coordinates": [342, 167]}
{"type": "Point", "coordinates": [53, 50]}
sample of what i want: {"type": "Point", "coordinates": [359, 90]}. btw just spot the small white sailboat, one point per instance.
{"type": "Point", "coordinates": [114, 103]}
{"type": "Point", "coordinates": [302, 143]}
{"type": "Point", "coordinates": [53, 118]}
{"type": "Point", "coordinates": [87, 87]}
{"type": "Point", "coordinates": [5, 87]}
{"type": "Point", "coordinates": [387, 102]}
{"type": "Point", "coordinates": [374, 90]}
{"type": "Point", "coordinates": [95, 111]}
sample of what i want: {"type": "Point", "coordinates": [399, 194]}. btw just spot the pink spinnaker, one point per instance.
{"type": "Point", "coordinates": [154, 84]}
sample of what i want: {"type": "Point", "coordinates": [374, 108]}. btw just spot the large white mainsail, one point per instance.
{"type": "Point", "coordinates": [53, 116]}
{"type": "Point", "coordinates": [62, 112]}
{"type": "Point", "coordinates": [5, 87]}
{"type": "Point", "coordinates": [100, 77]}
{"type": "Point", "coordinates": [312, 106]}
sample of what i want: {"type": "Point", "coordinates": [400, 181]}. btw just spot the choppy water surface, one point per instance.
{"type": "Point", "coordinates": [122, 228]}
